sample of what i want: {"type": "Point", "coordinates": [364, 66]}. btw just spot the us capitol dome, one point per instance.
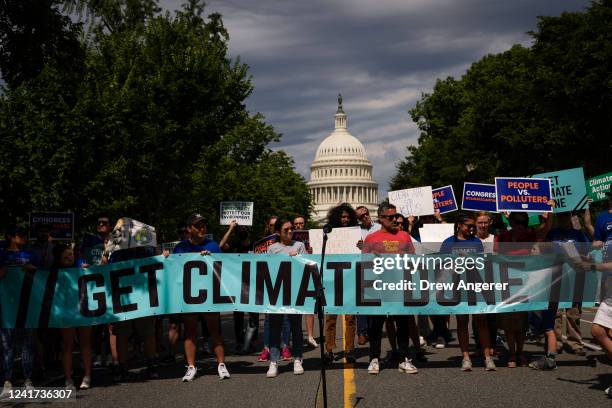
{"type": "Point", "coordinates": [341, 172]}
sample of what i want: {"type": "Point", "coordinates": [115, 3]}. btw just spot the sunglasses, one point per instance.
{"type": "Point", "coordinates": [102, 222]}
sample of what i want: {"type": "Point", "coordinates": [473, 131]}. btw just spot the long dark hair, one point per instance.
{"type": "Point", "coordinates": [334, 215]}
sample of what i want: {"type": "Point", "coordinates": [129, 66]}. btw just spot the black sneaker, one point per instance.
{"type": "Point", "coordinates": [420, 357]}
{"type": "Point", "coordinates": [329, 357]}
{"type": "Point", "coordinates": [349, 357]}
{"type": "Point", "coordinates": [544, 363]}
{"type": "Point", "coordinates": [151, 372]}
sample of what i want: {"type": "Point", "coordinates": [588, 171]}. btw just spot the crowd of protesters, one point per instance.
{"type": "Point", "coordinates": [282, 334]}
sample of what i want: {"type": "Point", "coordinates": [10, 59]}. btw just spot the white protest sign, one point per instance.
{"type": "Point", "coordinates": [339, 241]}
{"type": "Point", "coordinates": [241, 211]}
{"type": "Point", "coordinates": [413, 201]}
{"type": "Point", "coordinates": [432, 236]}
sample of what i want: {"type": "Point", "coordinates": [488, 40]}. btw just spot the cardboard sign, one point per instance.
{"type": "Point", "coordinates": [522, 194]}
{"type": "Point", "coordinates": [478, 197]}
{"type": "Point", "coordinates": [261, 246]}
{"type": "Point", "coordinates": [432, 236]}
{"type": "Point", "coordinates": [444, 199]}
{"type": "Point", "coordinates": [60, 225]}
{"type": "Point", "coordinates": [241, 211]}
{"type": "Point", "coordinates": [598, 186]}
{"type": "Point", "coordinates": [413, 201]}
{"type": "Point", "coordinates": [567, 188]}
{"type": "Point", "coordinates": [339, 241]}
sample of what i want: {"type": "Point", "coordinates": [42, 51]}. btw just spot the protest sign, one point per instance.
{"type": "Point", "coordinates": [339, 241]}
{"type": "Point", "coordinates": [567, 188]}
{"type": "Point", "coordinates": [598, 186]}
{"type": "Point", "coordinates": [261, 246]}
{"type": "Point", "coordinates": [522, 194]}
{"type": "Point", "coordinates": [59, 225]}
{"type": "Point", "coordinates": [241, 211]}
{"type": "Point", "coordinates": [432, 236]}
{"type": "Point", "coordinates": [130, 233]}
{"type": "Point", "coordinates": [478, 197]}
{"type": "Point", "coordinates": [444, 199]}
{"type": "Point", "coordinates": [354, 284]}
{"type": "Point", "coordinates": [413, 201]}
{"type": "Point", "coordinates": [302, 236]}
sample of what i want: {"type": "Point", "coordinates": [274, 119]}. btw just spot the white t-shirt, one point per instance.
{"type": "Point", "coordinates": [367, 231]}
{"type": "Point", "coordinates": [279, 248]}
{"type": "Point", "coordinates": [487, 243]}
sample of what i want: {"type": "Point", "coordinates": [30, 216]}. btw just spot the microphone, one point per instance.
{"type": "Point", "coordinates": [327, 228]}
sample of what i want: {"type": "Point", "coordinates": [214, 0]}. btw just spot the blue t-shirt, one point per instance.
{"type": "Point", "coordinates": [455, 246]}
{"type": "Point", "coordinates": [603, 226]}
{"type": "Point", "coordinates": [185, 247]}
{"type": "Point", "coordinates": [17, 258]}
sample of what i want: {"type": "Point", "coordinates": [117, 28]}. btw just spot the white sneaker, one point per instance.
{"type": "Point", "coordinates": [440, 343]}
{"type": "Point", "coordinates": [297, 366]}
{"type": "Point", "coordinates": [272, 370]}
{"type": "Point", "coordinates": [8, 386]}
{"type": "Point", "coordinates": [190, 374]}
{"type": "Point", "coordinates": [466, 365]}
{"type": "Point", "coordinates": [312, 342]}
{"type": "Point", "coordinates": [374, 368]}
{"type": "Point", "coordinates": [222, 370]}
{"type": "Point", "coordinates": [86, 383]}
{"type": "Point", "coordinates": [422, 341]}
{"type": "Point", "coordinates": [407, 367]}
{"type": "Point", "coordinates": [27, 384]}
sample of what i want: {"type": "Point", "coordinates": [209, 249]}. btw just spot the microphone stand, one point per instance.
{"type": "Point", "coordinates": [319, 310]}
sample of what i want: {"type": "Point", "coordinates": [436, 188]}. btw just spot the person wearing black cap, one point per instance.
{"type": "Point", "coordinates": [197, 242]}
{"type": "Point", "coordinates": [16, 255]}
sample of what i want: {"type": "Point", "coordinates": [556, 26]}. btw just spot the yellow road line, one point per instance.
{"type": "Point", "coordinates": [350, 387]}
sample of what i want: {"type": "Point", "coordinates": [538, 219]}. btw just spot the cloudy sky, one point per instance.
{"type": "Point", "coordinates": [380, 54]}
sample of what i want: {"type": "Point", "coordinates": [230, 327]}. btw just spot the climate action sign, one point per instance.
{"type": "Point", "coordinates": [598, 186]}
{"type": "Point", "coordinates": [567, 188]}
{"type": "Point", "coordinates": [367, 284]}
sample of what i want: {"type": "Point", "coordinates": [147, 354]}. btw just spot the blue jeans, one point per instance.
{"type": "Point", "coordinates": [362, 325]}
{"type": "Point", "coordinates": [277, 321]}
{"type": "Point", "coordinates": [285, 332]}
{"type": "Point", "coordinates": [9, 338]}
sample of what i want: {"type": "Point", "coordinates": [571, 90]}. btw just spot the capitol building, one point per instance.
{"type": "Point", "coordinates": [341, 172]}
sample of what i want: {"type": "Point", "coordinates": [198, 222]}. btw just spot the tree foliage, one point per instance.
{"type": "Point", "coordinates": [521, 112]}
{"type": "Point", "coordinates": [154, 126]}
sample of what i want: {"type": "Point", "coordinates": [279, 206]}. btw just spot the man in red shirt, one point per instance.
{"type": "Point", "coordinates": [390, 240]}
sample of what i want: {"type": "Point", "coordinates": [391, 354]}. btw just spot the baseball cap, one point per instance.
{"type": "Point", "coordinates": [195, 219]}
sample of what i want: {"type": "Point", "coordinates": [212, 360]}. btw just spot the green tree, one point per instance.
{"type": "Point", "coordinates": [520, 112]}
{"type": "Point", "coordinates": [155, 127]}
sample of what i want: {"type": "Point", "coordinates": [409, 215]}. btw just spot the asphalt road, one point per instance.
{"type": "Point", "coordinates": [577, 382]}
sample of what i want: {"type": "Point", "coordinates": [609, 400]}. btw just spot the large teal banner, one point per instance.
{"type": "Point", "coordinates": [354, 284]}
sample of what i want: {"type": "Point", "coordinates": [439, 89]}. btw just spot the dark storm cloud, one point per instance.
{"type": "Point", "coordinates": [381, 54]}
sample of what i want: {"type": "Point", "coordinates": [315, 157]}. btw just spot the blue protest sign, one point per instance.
{"type": "Point", "coordinates": [522, 194]}
{"type": "Point", "coordinates": [59, 225]}
{"type": "Point", "coordinates": [568, 189]}
{"type": "Point", "coordinates": [478, 197]}
{"type": "Point", "coordinates": [444, 199]}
